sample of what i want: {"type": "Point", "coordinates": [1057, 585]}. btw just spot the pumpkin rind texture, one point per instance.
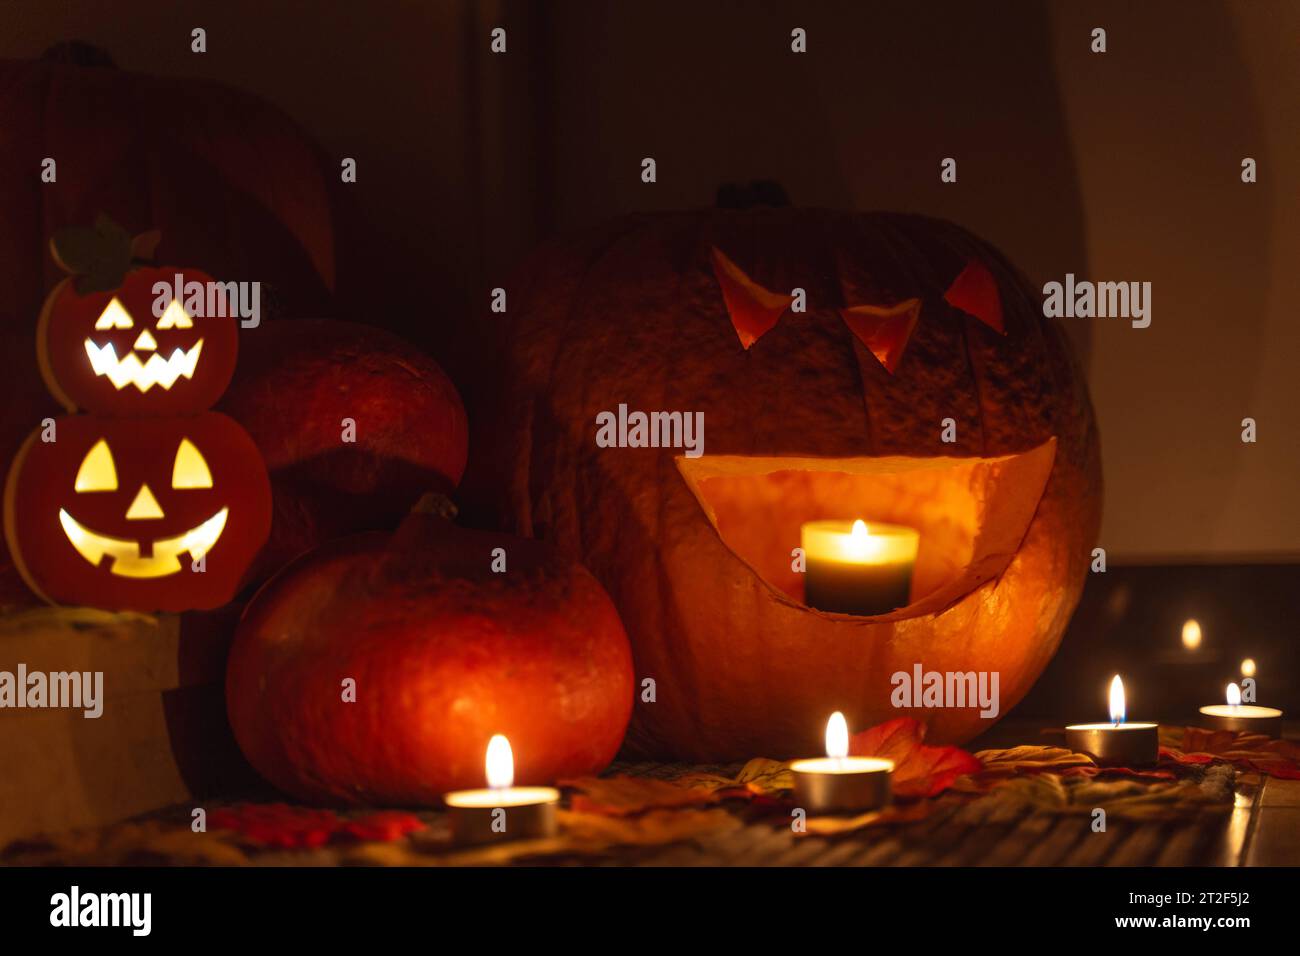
{"type": "Point", "coordinates": [631, 313]}
{"type": "Point", "coordinates": [298, 382]}
{"type": "Point", "coordinates": [444, 653]}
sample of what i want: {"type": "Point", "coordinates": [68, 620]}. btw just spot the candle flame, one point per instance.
{"type": "Point", "coordinates": [859, 543]}
{"type": "Point", "coordinates": [1248, 667]}
{"type": "Point", "coordinates": [1191, 634]}
{"type": "Point", "coordinates": [500, 763]}
{"type": "Point", "coordinates": [837, 737]}
{"type": "Point", "coordinates": [1234, 695]}
{"type": "Point", "coordinates": [1117, 700]}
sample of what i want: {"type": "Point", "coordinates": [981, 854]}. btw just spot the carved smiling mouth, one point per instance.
{"type": "Point", "coordinates": [972, 513]}
{"type": "Point", "coordinates": [127, 560]}
{"type": "Point", "coordinates": [143, 375]}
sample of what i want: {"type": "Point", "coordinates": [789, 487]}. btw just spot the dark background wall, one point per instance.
{"type": "Point", "coordinates": [1122, 166]}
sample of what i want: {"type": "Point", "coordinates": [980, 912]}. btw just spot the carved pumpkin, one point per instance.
{"type": "Point", "coordinates": [443, 652]}
{"type": "Point", "coordinates": [113, 352]}
{"type": "Point", "coordinates": [151, 514]}
{"type": "Point", "coordinates": [913, 331]}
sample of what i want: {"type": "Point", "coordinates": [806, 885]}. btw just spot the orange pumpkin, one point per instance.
{"type": "Point", "coordinates": [913, 332]}
{"type": "Point", "coordinates": [443, 650]}
{"type": "Point", "coordinates": [151, 514]}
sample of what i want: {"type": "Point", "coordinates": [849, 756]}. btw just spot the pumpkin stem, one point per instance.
{"type": "Point", "coordinates": [435, 503]}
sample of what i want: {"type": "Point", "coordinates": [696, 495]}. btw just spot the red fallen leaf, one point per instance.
{"type": "Point", "coordinates": [975, 292]}
{"type": "Point", "coordinates": [1169, 754]}
{"type": "Point", "coordinates": [386, 826]}
{"type": "Point", "coordinates": [753, 309]}
{"type": "Point", "coordinates": [1246, 751]}
{"type": "Point", "coordinates": [284, 827]}
{"type": "Point", "coordinates": [919, 771]}
{"type": "Point", "coordinates": [884, 330]}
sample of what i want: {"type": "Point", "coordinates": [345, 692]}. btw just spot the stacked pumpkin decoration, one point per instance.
{"type": "Point", "coordinates": [847, 365]}
{"type": "Point", "coordinates": [146, 501]}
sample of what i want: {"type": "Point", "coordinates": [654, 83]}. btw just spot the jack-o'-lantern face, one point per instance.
{"type": "Point", "coordinates": [142, 348]}
{"type": "Point", "coordinates": [151, 514]}
{"type": "Point", "coordinates": [837, 366]}
{"type": "Point", "coordinates": [143, 558]}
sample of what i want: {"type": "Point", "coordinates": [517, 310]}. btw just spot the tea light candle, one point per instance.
{"type": "Point", "coordinates": [1238, 716]}
{"type": "Point", "coordinates": [856, 568]}
{"type": "Point", "coordinates": [502, 811]}
{"type": "Point", "coordinates": [1116, 743]}
{"type": "Point", "coordinates": [839, 782]}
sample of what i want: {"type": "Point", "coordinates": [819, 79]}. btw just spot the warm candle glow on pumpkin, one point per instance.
{"type": "Point", "coordinates": [1117, 700]}
{"type": "Point", "coordinates": [1191, 634]}
{"type": "Point", "coordinates": [837, 737]}
{"type": "Point", "coordinates": [500, 763]}
{"type": "Point", "coordinates": [1234, 695]}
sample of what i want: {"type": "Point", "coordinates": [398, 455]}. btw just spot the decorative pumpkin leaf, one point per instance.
{"type": "Point", "coordinates": [145, 245]}
{"type": "Point", "coordinates": [753, 309]}
{"type": "Point", "coordinates": [919, 771]}
{"type": "Point", "coordinates": [975, 292]}
{"type": "Point", "coordinates": [622, 795]}
{"type": "Point", "coordinates": [99, 256]}
{"type": "Point", "coordinates": [884, 330]}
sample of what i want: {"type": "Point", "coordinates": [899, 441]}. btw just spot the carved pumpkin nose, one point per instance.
{"type": "Point", "coordinates": [145, 505]}
{"type": "Point", "coordinates": [144, 342]}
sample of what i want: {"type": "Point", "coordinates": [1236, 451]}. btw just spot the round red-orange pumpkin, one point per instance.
{"type": "Point", "coordinates": [444, 653]}
{"type": "Point", "coordinates": [807, 422]}
{"type": "Point", "coordinates": [113, 513]}
{"type": "Point", "coordinates": [301, 385]}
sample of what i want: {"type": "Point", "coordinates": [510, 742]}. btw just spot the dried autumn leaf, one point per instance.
{"type": "Point", "coordinates": [622, 795]}
{"type": "Point", "coordinates": [919, 771]}
{"type": "Point", "coordinates": [891, 815]}
{"type": "Point", "coordinates": [1032, 759]}
{"type": "Point", "coordinates": [1246, 751]}
{"type": "Point", "coordinates": [590, 831]}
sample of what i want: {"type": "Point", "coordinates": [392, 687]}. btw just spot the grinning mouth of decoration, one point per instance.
{"type": "Point", "coordinates": [972, 513]}
{"type": "Point", "coordinates": [143, 375]}
{"type": "Point", "coordinates": [128, 562]}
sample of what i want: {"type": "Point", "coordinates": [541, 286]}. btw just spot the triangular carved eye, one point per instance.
{"type": "Point", "coordinates": [975, 292]}
{"type": "Point", "coordinates": [753, 309]}
{"type": "Point", "coordinates": [884, 330]}
{"type": "Point", "coordinates": [97, 471]}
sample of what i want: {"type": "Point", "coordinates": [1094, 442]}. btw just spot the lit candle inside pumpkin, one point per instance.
{"type": "Point", "coordinates": [856, 568]}
{"type": "Point", "coordinates": [502, 811]}
{"type": "Point", "coordinates": [839, 782]}
{"type": "Point", "coordinates": [1118, 743]}
{"type": "Point", "coordinates": [1234, 715]}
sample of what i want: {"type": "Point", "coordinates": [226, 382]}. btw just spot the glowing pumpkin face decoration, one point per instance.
{"type": "Point", "coordinates": [846, 366]}
{"type": "Point", "coordinates": [135, 349]}
{"type": "Point", "coordinates": [160, 514]}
